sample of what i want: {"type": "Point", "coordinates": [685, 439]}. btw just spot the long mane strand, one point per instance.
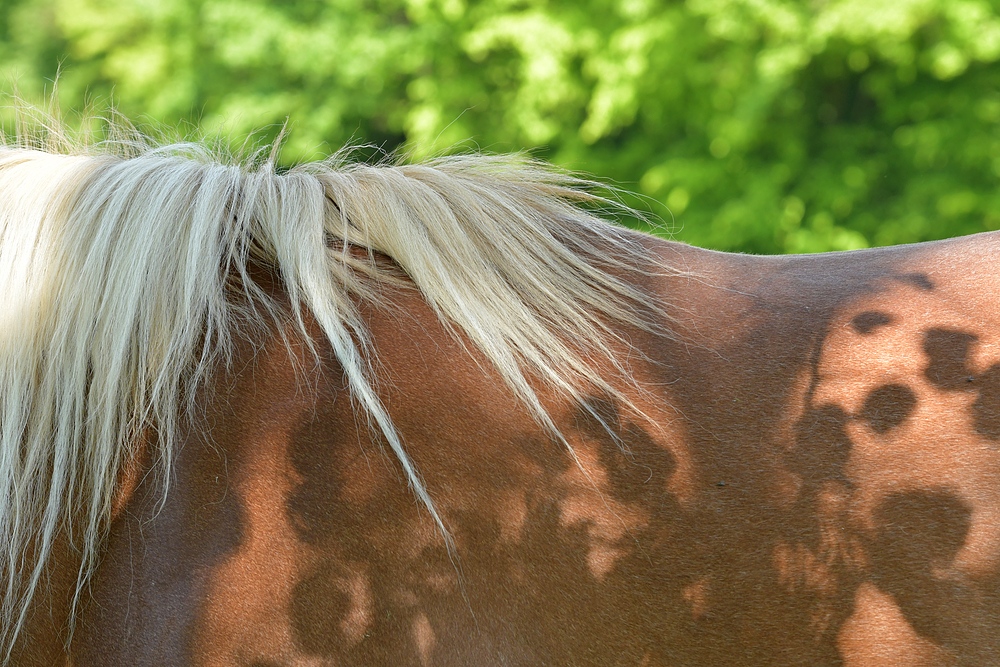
{"type": "Point", "coordinates": [117, 273]}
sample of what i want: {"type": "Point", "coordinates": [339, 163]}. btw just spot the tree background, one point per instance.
{"type": "Point", "coordinates": [752, 125]}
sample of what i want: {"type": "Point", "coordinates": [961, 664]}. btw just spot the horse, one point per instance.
{"type": "Point", "coordinates": [450, 413]}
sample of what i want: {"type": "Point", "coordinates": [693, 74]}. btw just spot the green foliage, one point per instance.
{"type": "Point", "coordinates": [754, 125]}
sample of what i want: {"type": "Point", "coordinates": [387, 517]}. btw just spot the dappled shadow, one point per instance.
{"type": "Point", "coordinates": [533, 597]}
{"type": "Point", "coordinates": [831, 448]}
{"type": "Point", "coordinates": [808, 437]}
{"type": "Point", "coordinates": [899, 452]}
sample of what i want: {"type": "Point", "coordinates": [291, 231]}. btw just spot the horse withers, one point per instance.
{"type": "Point", "coordinates": [443, 414]}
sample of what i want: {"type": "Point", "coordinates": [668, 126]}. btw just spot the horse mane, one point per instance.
{"type": "Point", "coordinates": [125, 264]}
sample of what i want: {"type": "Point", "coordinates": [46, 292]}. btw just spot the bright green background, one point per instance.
{"type": "Point", "coordinates": [753, 125]}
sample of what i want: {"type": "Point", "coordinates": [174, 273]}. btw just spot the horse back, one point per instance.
{"type": "Point", "coordinates": [799, 468]}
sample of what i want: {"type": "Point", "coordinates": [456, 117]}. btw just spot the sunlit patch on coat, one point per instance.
{"type": "Point", "coordinates": [622, 477]}
{"type": "Point", "coordinates": [245, 609]}
{"type": "Point", "coordinates": [587, 502]}
{"type": "Point", "coordinates": [697, 594]}
{"type": "Point", "coordinates": [423, 637]}
{"type": "Point", "coordinates": [907, 411]}
{"type": "Point", "coordinates": [879, 635]}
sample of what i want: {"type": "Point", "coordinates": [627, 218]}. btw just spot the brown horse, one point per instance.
{"type": "Point", "coordinates": [444, 415]}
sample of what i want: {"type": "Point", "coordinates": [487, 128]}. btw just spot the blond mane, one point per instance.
{"type": "Point", "coordinates": [124, 265]}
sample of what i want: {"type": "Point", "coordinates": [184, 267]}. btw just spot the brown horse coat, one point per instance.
{"type": "Point", "coordinates": [822, 489]}
{"type": "Point", "coordinates": [803, 469]}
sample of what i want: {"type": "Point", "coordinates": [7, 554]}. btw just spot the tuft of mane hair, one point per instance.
{"type": "Point", "coordinates": [124, 267]}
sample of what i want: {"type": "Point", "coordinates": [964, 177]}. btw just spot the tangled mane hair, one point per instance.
{"type": "Point", "coordinates": [125, 263]}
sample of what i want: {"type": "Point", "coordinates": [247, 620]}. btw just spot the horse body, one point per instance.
{"type": "Point", "coordinates": [800, 468]}
{"type": "Point", "coordinates": [816, 493]}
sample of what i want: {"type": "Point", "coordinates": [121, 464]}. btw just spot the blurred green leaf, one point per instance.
{"type": "Point", "coordinates": [750, 125]}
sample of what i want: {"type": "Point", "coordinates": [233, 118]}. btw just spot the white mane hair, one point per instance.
{"type": "Point", "coordinates": [124, 264]}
